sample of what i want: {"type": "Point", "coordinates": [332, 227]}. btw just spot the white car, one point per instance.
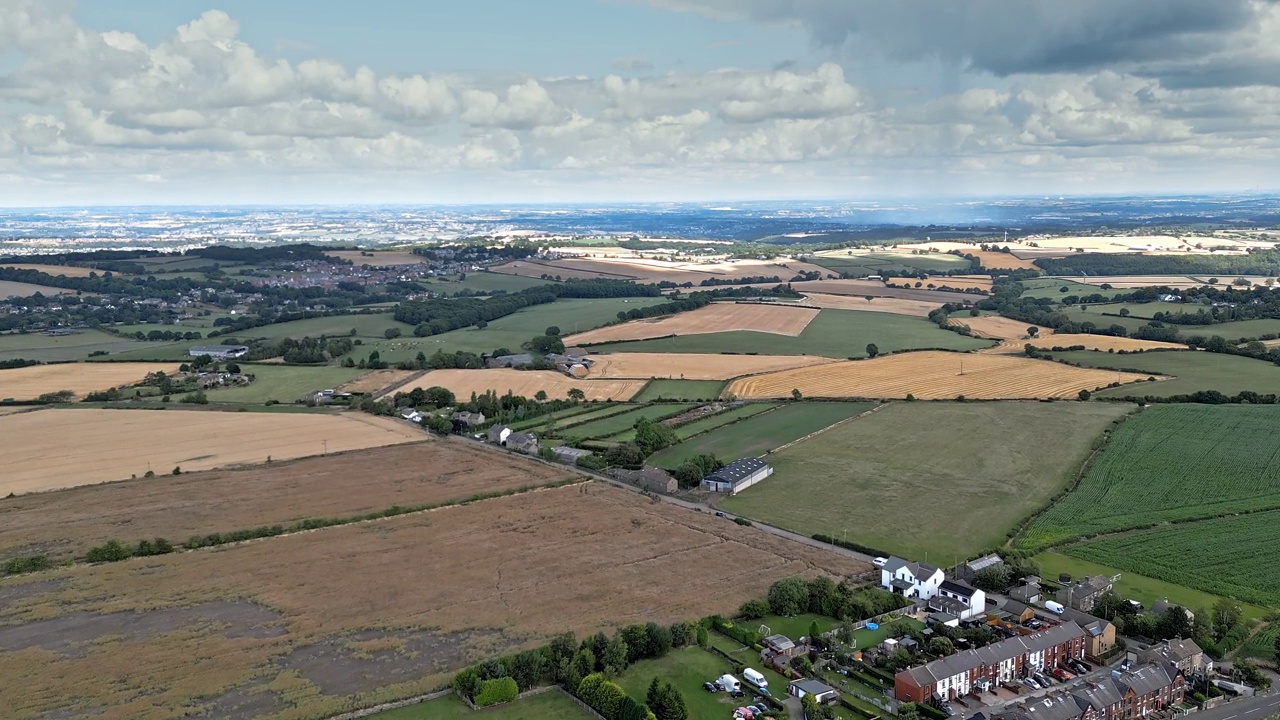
{"type": "Point", "coordinates": [880, 561]}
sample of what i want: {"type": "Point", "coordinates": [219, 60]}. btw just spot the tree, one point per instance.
{"type": "Point", "coordinates": [1277, 649]}
{"type": "Point", "coordinates": [994, 578]}
{"type": "Point", "coordinates": [391, 333]}
{"type": "Point", "coordinates": [668, 703]}
{"type": "Point", "coordinates": [796, 394]}
{"type": "Point", "coordinates": [1175, 623]}
{"type": "Point", "coordinates": [540, 396]}
{"type": "Point", "coordinates": [546, 344]}
{"type": "Point", "coordinates": [438, 424]}
{"type": "Point", "coordinates": [552, 331]}
{"type": "Point", "coordinates": [789, 596]}
{"type": "Point", "coordinates": [815, 632]}
{"type": "Point", "coordinates": [653, 436]}
{"type": "Point", "coordinates": [704, 638]}
{"type": "Point", "coordinates": [497, 690]}
{"type": "Point", "coordinates": [467, 683]}
{"type": "Point", "coordinates": [753, 609]}
{"type": "Point", "coordinates": [1084, 394]}
{"type": "Point", "coordinates": [1226, 615]}
{"type": "Point", "coordinates": [438, 396]}
{"type": "Point", "coordinates": [631, 709]}
{"type": "Point", "coordinates": [1124, 312]}
{"type": "Point", "coordinates": [941, 646]}
{"type": "Point", "coordinates": [872, 350]}
{"type": "Point", "coordinates": [577, 395]}
{"type": "Point", "coordinates": [233, 368]}
{"type": "Point", "coordinates": [1033, 331]}
{"type": "Point", "coordinates": [615, 655]}
{"type": "Point", "coordinates": [908, 711]}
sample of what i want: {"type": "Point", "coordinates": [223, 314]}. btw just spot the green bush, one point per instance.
{"type": "Point", "coordinates": [497, 691]}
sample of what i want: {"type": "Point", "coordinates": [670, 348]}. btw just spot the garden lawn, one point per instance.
{"type": "Point", "coordinates": [285, 383]}
{"type": "Point", "coordinates": [573, 315]}
{"type": "Point", "coordinates": [680, 390]}
{"type": "Point", "coordinates": [686, 669]}
{"type": "Point", "coordinates": [1135, 586]}
{"type": "Point", "coordinates": [833, 333]}
{"type": "Point", "coordinates": [1192, 371]}
{"type": "Point", "coordinates": [1170, 463]}
{"type": "Point", "coordinates": [762, 433]}
{"type": "Point", "coordinates": [550, 705]}
{"type": "Point", "coordinates": [947, 479]}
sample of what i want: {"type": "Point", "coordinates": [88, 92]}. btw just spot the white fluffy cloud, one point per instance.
{"type": "Point", "coordinates": [83, 109]}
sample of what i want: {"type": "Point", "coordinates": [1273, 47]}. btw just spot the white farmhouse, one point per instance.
{"type": "Point", "coordinates": [911, 579]}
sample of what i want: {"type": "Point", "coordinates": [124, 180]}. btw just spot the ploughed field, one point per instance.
{"type": "Point", "coordinates": [66, 524]}
{"type": "Point", "coordinates": [933, 375]}
{"type": "Point", "coordinates": [59, 448]}
{"type": "Point", "coordinates": [714, 318]}
{"type": "Point", "coordinates": [315, 623]}
{"type": "Point", "coordinates": [28, 383]}
{"type": "Point", "coordinates": [526, 383]}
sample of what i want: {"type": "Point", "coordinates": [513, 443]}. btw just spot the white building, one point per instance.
{"type": "Point", "coordinates": [910, 579]}
{"type": "Point", "coordinates": [960, 599]}
{"type": "Point", "coordinates": [737, 476]}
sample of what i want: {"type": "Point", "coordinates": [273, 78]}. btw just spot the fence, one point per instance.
{"type": "Point", "coordinates": [391, 706]}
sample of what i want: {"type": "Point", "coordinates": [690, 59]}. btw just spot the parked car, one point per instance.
{"type": "Point", "coordinates": [737, 693]}
{"type": "Point", "coordinates": [1080, 665]}
{"type": "Point", "coordinates": [1031, 683]}
{"type": "Point", "coordinates": [720, 514]}
{"type": "Point", "coordinates": [760, 709]}
{"type": "Point", "coordinates": [946, 708]}
{"type": "Point", "coordinates": [710, 687]}
{"type": "Point", "coordinates": [880, 561]}
{"type": "Point", "coordinates": [1042, 679]}
{"type": "Point", "coordinates": [1061, 674]}
{"type": "Point", "coordinates": [719, 686]}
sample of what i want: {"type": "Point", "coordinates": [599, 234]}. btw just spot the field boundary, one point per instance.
{"type": "Point", "coordinates": [397, 385]}
{"type": "Point", "coordinates": [819, 432]}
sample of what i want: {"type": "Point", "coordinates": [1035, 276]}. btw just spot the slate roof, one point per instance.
{"type": "Point", "coordinates": [737, 471]}
{"type": "Point", "coordinates": [812, 687]}
{"type": "Point", "coordinates": [918, 569]}
{"type": "Point", "coordinates": [959, 587]}
{"type": "Point", "coordinates": [930, 673]}
{"type": "Point", "coordinates": [984, 562]}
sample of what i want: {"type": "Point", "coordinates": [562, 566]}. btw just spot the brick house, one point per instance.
{"type": "Point", "coordinates": [1124, 696]}
{"type": "Point", "coordinates": [1082, 594]}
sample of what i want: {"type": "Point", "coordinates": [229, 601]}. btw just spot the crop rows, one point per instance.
{"type": "Point", "coordinates": [1170, 463]}
{"type": "Point", "coordinates": [621, 422]}
{"type": "Point", "coordinates": [688, 430]}
{"type": "Point", "coordinates": [1234, 556]}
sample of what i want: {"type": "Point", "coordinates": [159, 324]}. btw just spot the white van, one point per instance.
{"type": "Point", "coordinates": [730, 683]}
{"type": "Point", "coordinates": [755, 678]}
{"type": "Point", "coordinates": [1054, 607]}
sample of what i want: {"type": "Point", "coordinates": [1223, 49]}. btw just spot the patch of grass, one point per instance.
{"type": "Point", "coordinates": [706, 424]}
{"type": "Point", "coordinates": [620, 423]}
{"type": "Point", "coordinates": [686, 669]}
{"type": "Point", "coordinates": [1168, 463]}
{"type": "Point", "coordinates": [947, 479]}
{"type": "Point", "coordinates": [51, 348]}
{"type": "Point", "coordinates": [1230, 556]}
{"type": "Point", "coordinates": [370, 326]}
{"type": "Point", "coordinates": [486, 282]}
{"type": "Point", "coordinates": [1191, 371]}
{"type": "Point", "coordinates": [574, 315]}
{"type": "Point", "coordinates": [1261, 645]}
{"type": "Point", "coordinates": [680, 390]}
{"type": "Point", "coordinates": [284, 383]}
{"type": "Point", "coordinates": [552, 705]}
{"type": "Point", "coordinates": [1135, 586]}
{"type": "Point", "coordinates": [558, 417]}
{"type": "Point", "coordinates": [758, 435]}
{"type": "Point", "coordinates": [931, 262]}
{"type": "Point", "coordinates": [1051, 288]}
{"type": "Point", "coordinates": [833, 333]}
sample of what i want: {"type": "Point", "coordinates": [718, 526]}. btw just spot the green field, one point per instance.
{"type": "Point", "coordinates": [680, 390]}
{"type": "Point", "coordinates": [1135, 586]}
{"type": "Point", "coordinates": [50, 348]}
{"type": "Point", "coordinates": [598, 411]}
{"type": "Point", "coordinates": [1191, 371]}
{"type": "Point", "coordinates": [930, 262]}
{"type": "Point", "coordinates": [1136, 310]}
{"type": "Point", "coordinates": [1172, 462]}
{"type": "Point", "coordinates": [510, 331]}
{"type": "Point", "coordinates": [947, 479]}
{"type": "Point", "coordinates": [551, 705]}
{"type": "Point", "coordinates": [758, 435]}
{"type": "Point", "coordinates": [284, 383]}
{"type": "Point", "coordinates": [1234, 330]}
{"type": "Point", "coordinates": [687, 669]}
{"type": "Point", "coordinates": [541, 420]}
{"type": "Point", "coordinates": [688, 430]}
{"type": "Point", "coordinates": [1262, 645]}
{"type": "Point", "coordinates": [622, 423]}
{"type": "Point", "coordinates": [486, 282]}
{"type": "Point", "coordinates": [833, 333]}
{"type": "Point", "coordinates": [366, 326]}
{"type": "Point", "coordinates": [152, 351]}
{"type": "Point", "coordinates": [1051, 288]}
{"type": "Point", "coordinates": [1231, 556]}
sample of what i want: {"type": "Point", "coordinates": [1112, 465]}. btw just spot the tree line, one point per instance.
{"type": "Point", "coordinates": [1256, 262]}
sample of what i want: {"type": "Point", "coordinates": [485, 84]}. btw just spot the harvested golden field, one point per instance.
{"type": "Point", "coordinates": [380, 258]}
{"type": "Point", "coordinates": [1103, 342]}
{"type": "Point", "coordinates": [375, 382]}
{"type": "Point", "coordinates": [312, 624]}
{"type": "Point", "coordinates": [68, 522]}
{"type": "Point", "coordinates": [21, 289]}
{"type": "Point", "coordinates": [897, 306]}
{"type": "Point", "coordinates": [694, 366]}
{"type": "Point", "coordinates": [652, 270]}
{"type": "Point", "coordinates": [524, 382]}
{"type": "Point", "coordinates": [993, 260]}
{"type": "Point", "coordinates": [28, 383]}
{"type": "Point", "coordinates": [877, 288]}
{"type": "Point", "coordinates": [62, 448]}
{"type": "Point", "coordinates": [716, 317]}
{"type": "Point", "coordinates": [955, 282]}
{"type": "Point", "coordinates": [65, 270]}
{"type": "Point", "coordinates": [933, 375]}
{"type": "Point", "coordinates": [996, 327]}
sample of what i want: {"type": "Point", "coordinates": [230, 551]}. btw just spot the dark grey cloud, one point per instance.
{"type": "Point", "coordinates": [1008, 37]}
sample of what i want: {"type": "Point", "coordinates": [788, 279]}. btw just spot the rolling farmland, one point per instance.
{"type": "Point", "coordinates": [524, 382]}
{"type": "Point", "coordinates": [604, 427]}
{"type": "Point", "coordinates": [714, 318]}
{"type": "Point", "coordinates": [29, 383]}
{"type": "Point", "coordinates": [680, 390]}
{"type": "Point", "coordinates": [692, 366]}
{"type": "Point", "coordinates": [932, 375]}
{"type": "Point", "coordinates": [284, 383]}
{"type": "Point", "coordinates": [1189, 372]}
{"type": "Point", "coordinates": [1169, 463]}
{"type": "Point", "coordinates": [1231, 556]}
{"type": "Point", "coordinates": [688, 430]}
{"type": "Point", "coordinates": [960, 475]}
{"type": "Point", "coordinates": [762, 433]}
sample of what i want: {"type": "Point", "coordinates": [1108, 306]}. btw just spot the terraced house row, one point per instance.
{"type": "Point", "coordinates": [1122, 696]}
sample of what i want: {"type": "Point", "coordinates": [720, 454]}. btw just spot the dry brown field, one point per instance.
{"type": "Point", "coordinates": [652, 270]}
{"type": "Point", "coordinates": [380, 257]}
{"type": "Point", "coordinates": [65, 270]}
{"type": "Point", "coordinates": [524, 382]}
{"type": "Point", "coordinates": [31, 382]}
{"type": "Point", "coordinates": [957, 282]}
{"type": "Point", "coordinates": [998, 328]}
{"type": "Point", "coordinates": [21, 289]}
{"type": "Point", "coordinates": [693, 366]}
{"type": "Point", "coordinates": [933, 375]}
{"type": "Point", "coordinates": [897, 306]}
{"type": "Point", "coordinates": [716, 317]}
{"type": "Point", "coordinates": [377, 381]}
{"type": "Point", "coordinates": [876, 288]}
{"type": "Point", "coordinates": [68, 522]}
{"type": "Point", "coordinates": [1103, 342]}
{"type": "Point", "coordinates": [308, 625]}
{"type": "Point", "coordinates": [62, 448]}
{"type": "Point", "coordinates": [529, 268]}
{"type": "Point", "coordinates": [993, 260]}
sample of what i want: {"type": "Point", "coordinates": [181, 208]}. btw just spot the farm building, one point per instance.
{"type": "Point", "coordinates": [1082, 594]}
{"type": "Point", "coordinates": [526, 443]}
{"type": "Point", "coordinates": [497, 434]}
{"type": "Point", "coordinates": [410, 414]}
{"type": "Point", "coordinates": [648, 477]}
{"type": "Point", "coordinates": [911, 579]}
{"type": "Point", "coordinates": [568, 455]}
{"type": "Point", "coordinates": [466, 420]}
{"type": "Point", "coordinates": [1005, 661]}
{"type": "Point", "coordinates": [219, 352]}
{"type": "Point", "coordinates": [737, 476]}
{"type": "Point", "coordinates": [820, 691]}
{"type": "Point", "coordinates": [1122, 696]}
{"type": "Point", "coordinates": [973, 567]}
{"type": "Point", "coordinates": [519, 360]}
{"type": "Point", "coordinates": [960, 599]}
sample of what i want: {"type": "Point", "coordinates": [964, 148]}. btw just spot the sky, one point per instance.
{"type": "Point", "coordinates": [239, 101]}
